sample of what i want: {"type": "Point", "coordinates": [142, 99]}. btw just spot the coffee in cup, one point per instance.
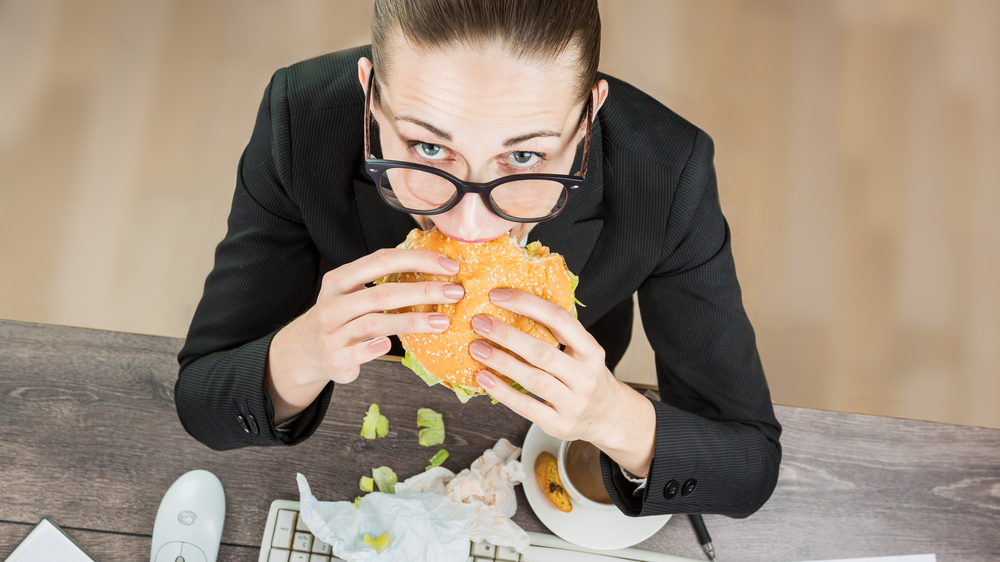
{"type": "Point", "coordinates": [580, 471]}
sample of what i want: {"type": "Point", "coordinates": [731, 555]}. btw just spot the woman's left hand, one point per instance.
{"type": "Point", "coordinates": [583, 400]}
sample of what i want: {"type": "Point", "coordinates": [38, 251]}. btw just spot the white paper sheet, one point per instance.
{"type": "Point", "coordinates": [48, 542]}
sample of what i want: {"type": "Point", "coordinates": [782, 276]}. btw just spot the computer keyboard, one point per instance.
{"type": "Point", "coordinates": [287, 539]}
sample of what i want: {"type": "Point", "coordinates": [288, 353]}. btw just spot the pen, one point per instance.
{"type": "Point", "coordinates": [703, 538]}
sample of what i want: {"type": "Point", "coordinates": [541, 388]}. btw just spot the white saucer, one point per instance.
{"type": "Point", "coordinates": [599, 530]}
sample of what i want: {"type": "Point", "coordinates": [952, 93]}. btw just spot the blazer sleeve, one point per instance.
{"type": "Point", "coordinates": [266, 273]}
{"type": "Point", "coordinates": [717, 448]}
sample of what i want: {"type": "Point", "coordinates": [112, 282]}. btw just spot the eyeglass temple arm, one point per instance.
{"type": "Point", "coordinates": [368, 111]}
{"type": "Point", "coordinates": [368, 117]}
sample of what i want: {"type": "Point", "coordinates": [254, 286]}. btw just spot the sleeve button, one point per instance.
{"type": "Point", "coordinates": [243, 423]}
{"type": "Point", "coordinates": [689, 487]}
{"type": "Point", "coordinates": [671, 489]}
{"type": "Point", "coordinates": [256, 429]}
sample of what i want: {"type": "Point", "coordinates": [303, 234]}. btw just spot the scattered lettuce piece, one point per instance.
{"type": "Point", "coordinates": [379, 544]}
{"type": "Point", "coordinates": [375, 424]}
{"type": "Point", "coordinates": [357, 502]}
{"type": "Point", "coordinates": [410, 360]}
{"type": "Point", "coordinates": [492, 400]}
{"type": "Point", "coordinates": [438, 458]}
{"type": "Point", "coordinates": [433, 432]}
{"type": "Point", "coordinates": [385, 479]}
{"type": "Point", "coordinates": [366, 486]}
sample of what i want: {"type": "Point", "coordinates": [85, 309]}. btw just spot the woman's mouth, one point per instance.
{"type": "Point", "coordinates": [480, 241]}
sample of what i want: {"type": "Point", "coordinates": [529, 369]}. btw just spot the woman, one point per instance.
{"type": "Point", "coordinates": [483, 90]}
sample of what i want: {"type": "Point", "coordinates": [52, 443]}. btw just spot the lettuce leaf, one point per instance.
{"type": "Point", "coordinates": [385, 479]}
{"type": "Point", "coordinates": [438, 458]}
{"type": "Point", "coordinates": [375, 424]}
{"type": "Point", "coordinates": [410, 360]}
{"type": "Point", "coordinates": [433, 432]}
{"type": "Point", "coordinates": [463, 393]}
{"type": "Point", "coordinates": [366, 485]}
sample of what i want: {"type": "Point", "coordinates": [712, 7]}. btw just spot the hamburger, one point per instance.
{"type": "Point", "coordinates": [444, 358]}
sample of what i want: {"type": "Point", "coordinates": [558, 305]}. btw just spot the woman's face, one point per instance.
{"type": "Point", "coordinates": [478, 114]}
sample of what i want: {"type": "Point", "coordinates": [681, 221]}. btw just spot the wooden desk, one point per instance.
{"type": "Point", "coordinates": [91, 438]}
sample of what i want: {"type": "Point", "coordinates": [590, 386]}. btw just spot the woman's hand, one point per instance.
{"type": "Point", "coordinates": [347, 326]}
{"type": "Point", "coordinates": [583, 400]}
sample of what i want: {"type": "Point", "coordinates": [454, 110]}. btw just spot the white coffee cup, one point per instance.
{"type": "Point", "coordinates": [579, 500]}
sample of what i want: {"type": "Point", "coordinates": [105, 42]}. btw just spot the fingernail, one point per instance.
{"type": "Point", "coordinates": [453, 291]}
{"type": "Point", "coordinates": [449, 264]}
{"type": "Point", "coordinates": [438, 321]}
{"type": "Point", "coordinates": [480, 350]}
{"type": "Point", "coordinates": [380, 345]}
{"type": "Point", "coordinates": [500, 295]}
{"type": "Point", "coordinates": [482, 324]}
{"type": "Point", "coordinates": [484, 378]}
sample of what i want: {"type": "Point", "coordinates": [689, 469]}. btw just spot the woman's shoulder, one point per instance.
{"type": "Point", "coordinates": [640, 126]}
{"type": "Point", "coordinates": [325, 82]}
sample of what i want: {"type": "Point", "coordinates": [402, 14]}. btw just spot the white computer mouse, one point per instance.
{"type": "Point", "coordinates": [189, 522]}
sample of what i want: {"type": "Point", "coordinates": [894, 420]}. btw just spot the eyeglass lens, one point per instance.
{"type": "Point", "coordinates": [417, 190]}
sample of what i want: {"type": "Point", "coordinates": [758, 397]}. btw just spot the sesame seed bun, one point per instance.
{"type": "Point", "coordinates": [499, 263]}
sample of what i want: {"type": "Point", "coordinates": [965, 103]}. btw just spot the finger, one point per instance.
{"type": "Point", "coordinates": [392, 296]}
{"type": "Point", "coordinates": [527, 407]}
{"type": "Point", "coordinates": [345, 361]}
{"type": "Point", "coordinates": [378, 324]}
{"type": "Point", "coordinates": [539, 353]}
{"type": "Point", "coordinates": [536, 381]}
{"type": "Point", "coordinates": [563, 325]}
{"type": "Point", "coordinates": [353, 276]}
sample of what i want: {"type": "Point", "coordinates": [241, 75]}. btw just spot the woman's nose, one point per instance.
{"type": "Point", "coordinates": [472, 213]}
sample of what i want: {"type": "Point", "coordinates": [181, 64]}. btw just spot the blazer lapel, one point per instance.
{"type": "Point", "coordinates": [575, 231]}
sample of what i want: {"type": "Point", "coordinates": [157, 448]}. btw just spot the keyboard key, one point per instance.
{"type": "Point", "coordinates": [300, 525]}
{"type": "Point", "coordinates": [303, 542]}
{"type": "Point", "coordinates": [507, 553]}
{"type": "Point", "coordinates": [283, 526]}
{"type": "Point", "coordinates": [278, 555]}
{"type": "Point", "coordinates": [320, 547]}
{"type": "Point", "coordinates": [319, 558]}
{"type": "Point", "coordinates": [299, 557]}
{"type": "Point", "coordinates": [483, 550]}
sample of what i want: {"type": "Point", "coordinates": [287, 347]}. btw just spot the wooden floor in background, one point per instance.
{"type": "Point", "coordinates": [856, 148]}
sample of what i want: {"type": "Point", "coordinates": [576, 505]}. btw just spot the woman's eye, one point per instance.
{"type": "Point", "coordinates": [431, 151]}
{"type": "Point", "coordinates": [522, 159]}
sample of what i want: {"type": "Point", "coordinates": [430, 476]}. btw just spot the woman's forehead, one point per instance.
{"type": "Point", "coordinates": [461, 86]}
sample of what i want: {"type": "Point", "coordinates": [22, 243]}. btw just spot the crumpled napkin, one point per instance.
{"type": "Point", "coordinates": [432, 516]}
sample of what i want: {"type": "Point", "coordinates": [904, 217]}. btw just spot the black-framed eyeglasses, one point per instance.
{"type": "Point", "coordinates": [425, 190]}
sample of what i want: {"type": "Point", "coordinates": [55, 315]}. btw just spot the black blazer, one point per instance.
{"type": "Point", "coordinates": [647, 219]}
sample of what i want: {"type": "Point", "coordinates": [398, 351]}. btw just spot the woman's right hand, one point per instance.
{"type": "Point", "coordinates": [347, 326]}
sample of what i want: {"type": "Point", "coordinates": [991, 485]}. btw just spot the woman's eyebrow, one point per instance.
{"type": "Point", "coordinates": [511, 142]}
{"type": "Point", "coordinates": [437, 132]}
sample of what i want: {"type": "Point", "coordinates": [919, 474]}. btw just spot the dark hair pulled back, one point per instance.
{"type": "Point", "coordinates": [529, 29]}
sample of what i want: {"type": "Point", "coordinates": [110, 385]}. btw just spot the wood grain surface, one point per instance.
{"type": "Point", "coordinates": [114, 546]}
{"type": "Point", "coordinates": [91, 438]}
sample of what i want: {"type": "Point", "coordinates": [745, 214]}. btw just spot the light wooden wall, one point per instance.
{"type": "Point", "coordinates": [857, 146]}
